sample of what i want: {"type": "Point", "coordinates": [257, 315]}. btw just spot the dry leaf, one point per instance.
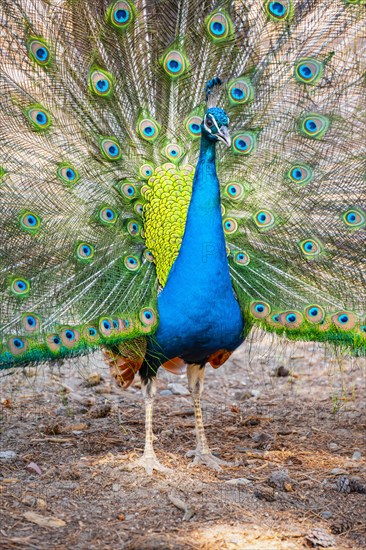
{"type": "Point", "coordinates": [44, 521]}
{"type": "Point", "coordinates": [33, 467]}
{"type": "Point", "coordinates": [75, 427]}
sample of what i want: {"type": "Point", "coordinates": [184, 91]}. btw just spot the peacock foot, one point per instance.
{"type": "Point", "coordinates": [208, 459]}
{"type": "Point", "coordinates": [149, 462]}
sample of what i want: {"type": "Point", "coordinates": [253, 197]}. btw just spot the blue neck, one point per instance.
{"type": "Point", "coordinates": [198, 312]}
{"type": "Point", "coordinates": [203, 249]}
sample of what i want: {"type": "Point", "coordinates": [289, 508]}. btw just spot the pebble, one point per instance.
{"type": "Point", "coordinates": [166, 392]}
{"type": "Point", "coordinates": [7, 455]}
{"type": "Point", "coordinates": [279, 479]}
{"type": "Point", "coordinates": [238, 481]}
{"type": "Point", "coordinates": [327, 514]}
{"type": "Point", "coordinates": [356, 455]}
{"type": "Point", "coordinates": [338, 471]}
{"type": "Point", "coordinates": [333, 446]}
{"type": "Point", "coordinates": [281, 371]}
{"type": "Point", "coordinates": [178, 389]}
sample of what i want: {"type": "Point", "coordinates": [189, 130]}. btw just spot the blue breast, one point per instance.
{"type": "Point", "coordinates": [198, 311]}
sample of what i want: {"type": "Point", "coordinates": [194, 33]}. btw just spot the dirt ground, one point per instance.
{"type": "Point", "coordinates": [298, 439]}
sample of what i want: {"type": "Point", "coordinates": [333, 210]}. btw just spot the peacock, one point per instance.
{"type": "Point", "coordinates": [174, 173]}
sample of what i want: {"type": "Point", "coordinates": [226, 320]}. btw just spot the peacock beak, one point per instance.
{"type": "Point", "coordinates": [223, 135]}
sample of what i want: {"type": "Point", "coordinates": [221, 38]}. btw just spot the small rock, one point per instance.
{"type": "Point", "coordinates": [350, 485]}
{"type": "Point", "coordinates": [100, 411]}
{"type": "Point", "coordinates": [333, 446]}
{"type": "Point", "coordinates": [32, 501]}
{"type": "Point", "coordinates": [166, 433]}
{"type": "Point", "coordinates": [343, 484]}
{"type": "Point", "coordinates": [356, 455]}
{"type": "Point", "coordinates": [242, 395]}
{"type": "Point", "coordinates": [265, 493]}
{"type": "Point", "coordinates": [29, 500]}
{"type": "Point", "coordinates": [238, 481]}
{"type": "Point", "coordinates": [262, 440]}
{"type": "Point", "coordinates": [342, 525]}
{"type": "Point", "coordinates": [255, 393]}
{"type": "Point", "coordinates": [338, 471]}
{"type": "Point", "coordinates": [282, 372]}
{"type": "Point", "coordinates": [327, 514]}
{"type": "Point", "coordinates": [319, 537]}
{"type": "Point", "coordinates": [166, 392]}
{"type": "Point", "coordinates": [116, 487]}
{"type": "Point", "coordinates": [6, 456]}
{"type": "Point", "coordinates": [178, 389]}
{"type": "Point", "coordinates": [93, 380]}
{"type": "Point", "coordinates": [280, 480]}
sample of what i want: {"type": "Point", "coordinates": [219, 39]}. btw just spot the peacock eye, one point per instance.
{"type": "Point", "coordinates": [354, 218]}
{"type": "Point", "coordinates": [67, 174]}
{"type": "Point", "coordinates": [20, 287]}
{"type": "Point", "coordinates": [121, 14]}
{"type": "Point", "coordinates": [264, 219]}
{"type": "Point", "coordinates": [30, 322]}
{"type": "Point", "coordinates": [146, 170]}
{"type": "Point", "coordinates": [230, 225]}
{"type": "Point", "coordinates": [314, 126]}
{"type": "Point", "coordinates": [219, 26]}
{"type": "Point", "coordinates": [39, 118]}
{"type": "Point", "coordinates": [260, 309]}
{"type": "Point", "coordinates": [308, 70]}
{"type": "Point", "coordinates": [244, 143]}
{"type": "Point", "coordinates": [85, 252]}
{"type": "Point", "coordinates": [148, 316]}
{"type": "Point", "coordinates": [241, 258]}
{"type": "Point", "coordinates": [148, 255]}
{"type": "Point", "coordinates": [345, 320]}
{"type": "Point", "coordinates": [234, 191]}
{"type": "Point", "coordinates": [193, 126]}
{"type": "Point", "coordinates": [301, 174]}
{"type": "Point", "coordinates": [106, 326]}
{"type": "Point", "coordinates": [240, 91]}
{"type": "Point", "coordinates": [174, 63]}
{"type": "Point", "coordinates": [290, 319]}
{"type": "Point", "coordinates": [133, 228]}
{"type": "Point", "coordinates": [278, 11]}
{"type": "Point", "coordinates": [132, 263]}
{"type": "Point", "coordinates": [107, 216]}
{"type": "Point", "coordinates": [39, 52]}
{"type": "Point", "coordinates": [69, 337]}
{"type": "Point", "coordinates": [173, 151]}
{"type": "Point", "coordinates": [53, 342]}
{"type": "Point", "coordinates": [30, 222]}
{"type": "Point", "coordinates": [110, 149]}
{"type": "Point", "coordinates": [209, 122]}
{"type": "Point", "coordinates": [17, 345]}
{"type": "Point", "coordinates": [100, 82]}
{"type": "Point", "coordinates": [148, 129]}
{"type": "Point", "coordinates": [315, 314]}
{"type": "Point", "coordinates": [310, 247]}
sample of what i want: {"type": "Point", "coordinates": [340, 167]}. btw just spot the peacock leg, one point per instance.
{"type": "Point", "coordinates": [148, 460]}
{"type": "Point", "coordinates": [202, 454]}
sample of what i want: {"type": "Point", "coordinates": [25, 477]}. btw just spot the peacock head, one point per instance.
{"type": "Point", "coordinates": [215, 126]}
